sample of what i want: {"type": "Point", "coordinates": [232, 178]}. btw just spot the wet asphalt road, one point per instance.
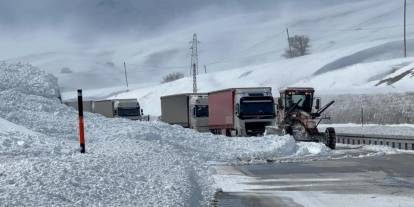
{"type": "Point", "coordinates": [357, 181]}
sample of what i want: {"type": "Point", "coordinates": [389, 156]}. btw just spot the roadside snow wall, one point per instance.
{"type": "Point", "coordinates": [391, 108]}
{"type": "Point", "coordinates": [128, 163]}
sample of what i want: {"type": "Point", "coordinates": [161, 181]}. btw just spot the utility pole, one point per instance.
{"type": "Point", "coordinates": [362, 116]}
{"type": "Point", "coordinates": [205, 69]}
{"type": "Point", "coordinates": [288, 38]}
{"type": "Point", "coordinates": [126, 76]}
{"type": "Point", "coordinates": [194, 78]}
{"type": "Point", "coordinates": [405, 28]}
{"type": "Point", "coordinates": [194, 61]}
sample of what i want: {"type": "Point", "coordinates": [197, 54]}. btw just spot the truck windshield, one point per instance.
{"type": "Point", "coordinates": [304, 101]}
{"type": "Point", "coordinates": [128, 111]}
{"type": "Point", "coordinates": [257, 107]}
{"type": "Point", "coordinates": [201, 111]}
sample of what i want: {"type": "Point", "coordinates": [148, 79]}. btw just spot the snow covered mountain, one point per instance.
{"type": "Point", "coordinates": [356, 47]}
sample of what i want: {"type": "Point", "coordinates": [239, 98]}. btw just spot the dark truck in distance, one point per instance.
{"type": "Point", "coordinates": [241, 111]}
{"type": "Point", "coordinates": [299, 113]}
{"type": "Point", "coordinates": [124, 108]}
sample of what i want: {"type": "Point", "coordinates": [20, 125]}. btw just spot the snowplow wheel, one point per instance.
{"type": "Point", "coordinates": [287, 130]}
{"type": "Point", "coordinates": [299, 131]}
{"type": "Point", "coordinates": [331, 138]}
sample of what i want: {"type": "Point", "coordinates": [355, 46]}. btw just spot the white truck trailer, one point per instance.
{"type": "Point", "coordinates": [189, 110]}
{"type": "Point", "coordinates": [87, 105]}
{"type": "Point", "coordinates": [104, 107]}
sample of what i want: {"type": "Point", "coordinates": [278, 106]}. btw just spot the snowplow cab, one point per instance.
{"type": "Point", "coordinates": [297, 99]}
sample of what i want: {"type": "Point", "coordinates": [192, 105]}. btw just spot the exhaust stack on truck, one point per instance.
{"type": "Point", "coordinates": [241, 111]}
{"type": "Point", "coordinates": [189, 110]}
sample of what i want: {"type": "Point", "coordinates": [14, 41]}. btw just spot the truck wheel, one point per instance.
{"type": "Point", "coordinates": [287, 130]}
{"type": "Point", "coordinates": [330, 137]}
{"type": "Point", "coordinates": [228, 133]}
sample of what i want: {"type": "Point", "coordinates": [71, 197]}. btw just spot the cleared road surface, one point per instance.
{"type": "Point", "coordinates": [371, 181]}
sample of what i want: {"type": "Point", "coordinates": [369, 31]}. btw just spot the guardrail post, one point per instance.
{"type": "Point", "coordinates": [81, 124]}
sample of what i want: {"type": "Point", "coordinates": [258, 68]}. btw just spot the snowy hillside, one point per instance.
{"type": "Point", "coordinates": [358, 78]}
{"type": "Point", "coordinates": [347, 32]}
{"type": "Point", "coordinates": [356, 48]}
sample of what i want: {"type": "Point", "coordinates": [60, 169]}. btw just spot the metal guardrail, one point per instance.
{"type": "Point", "coordinates": [394, 141]}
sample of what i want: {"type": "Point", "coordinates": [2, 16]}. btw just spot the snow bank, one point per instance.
{"type": "Point", "coordinates": [27, 79]}
{"type": "Point", "coordinates": [376, 129]}
{"type": "Point", "coordinates": [128, 163]}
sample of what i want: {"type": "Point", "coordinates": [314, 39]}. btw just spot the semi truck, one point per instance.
{"type": "Point", "coordinates": [189, 110]}
{"type": "Point", "coordinates": [126, 108]}
{"type": "Point", "coordinates": [241, 111]}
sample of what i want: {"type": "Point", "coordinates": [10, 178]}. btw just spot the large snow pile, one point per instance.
{"type": "Point", "coordinates": [28, 79]}
{"type": "Point", "coordinates": [128, 163]}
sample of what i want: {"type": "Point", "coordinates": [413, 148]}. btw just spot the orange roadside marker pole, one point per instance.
{"type": "Point", "coordinates": [81, 124]}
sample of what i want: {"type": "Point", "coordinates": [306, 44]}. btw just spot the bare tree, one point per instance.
{"type": "Point", "coordinates": [172, 77]}
{"type": "Point", "coordinates": [299, 46]}
{"type": "Point", "coordinates": [65, 70]}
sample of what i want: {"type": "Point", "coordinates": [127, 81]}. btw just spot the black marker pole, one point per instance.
{"type": "Point", "coordinates": [81, 124]}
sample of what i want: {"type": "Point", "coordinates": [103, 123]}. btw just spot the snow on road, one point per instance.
{"type": "Point", "coordinates": [128, 163]}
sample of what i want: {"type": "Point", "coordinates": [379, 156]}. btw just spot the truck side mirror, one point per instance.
{"type": "Point", "coordinates": [318, 103]}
